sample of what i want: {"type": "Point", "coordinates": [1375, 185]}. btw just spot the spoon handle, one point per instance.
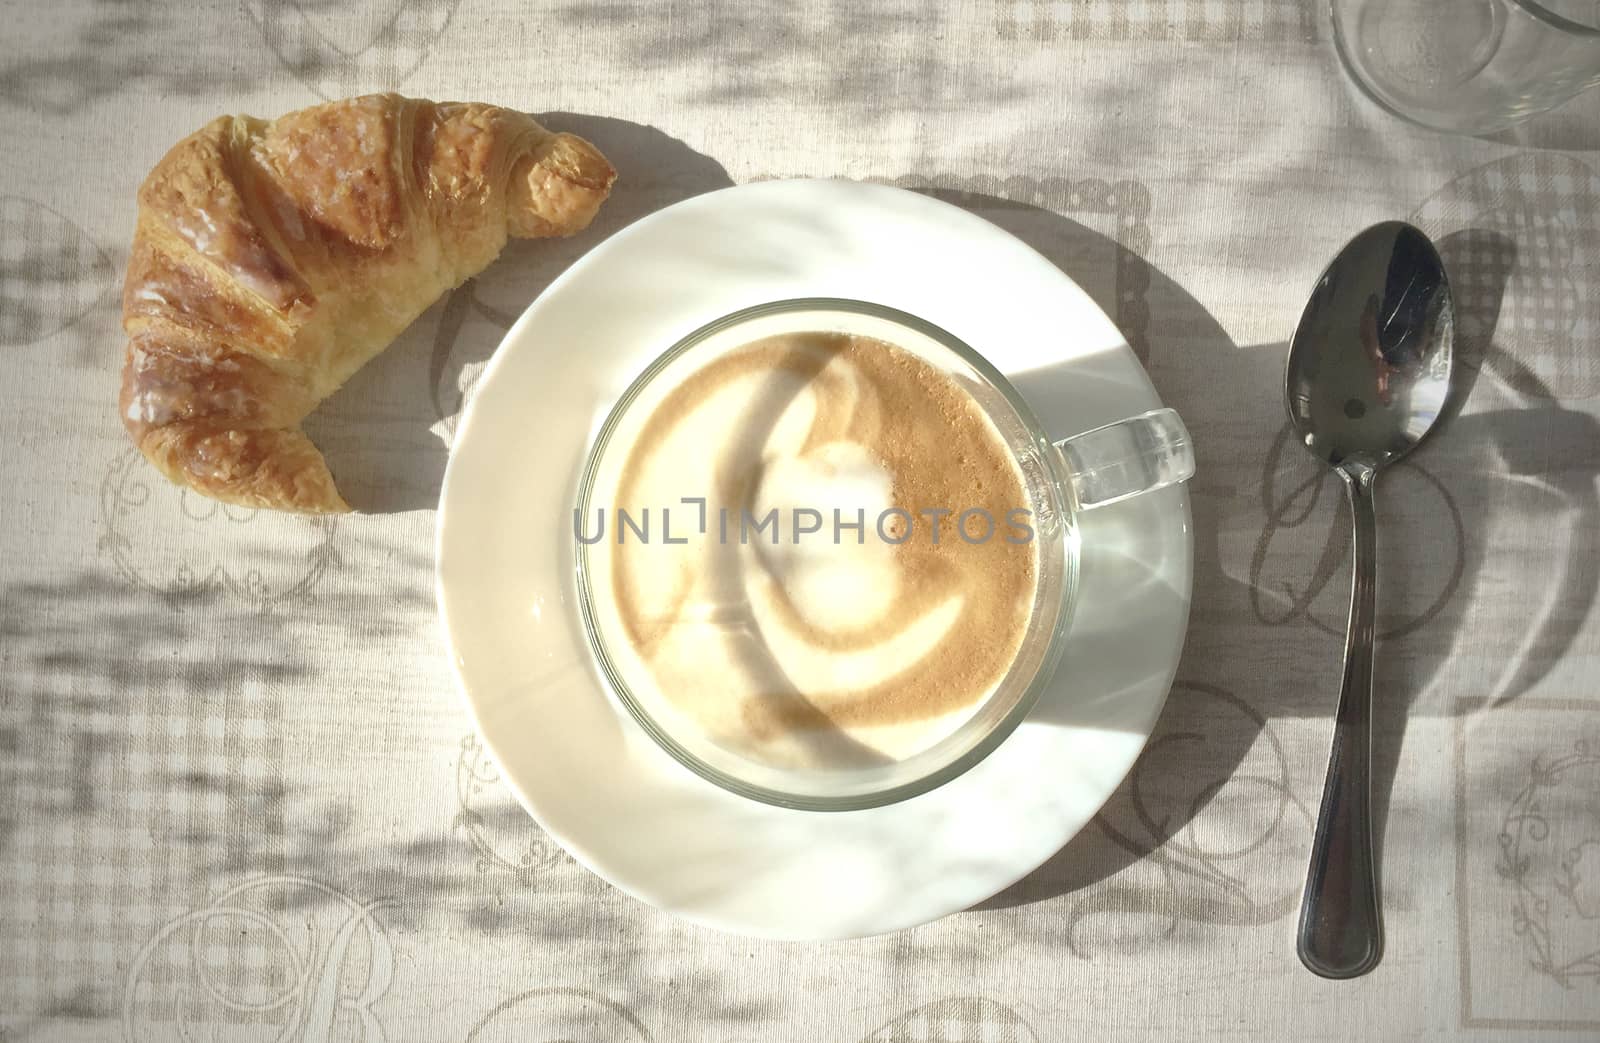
{"type": "Point", "coordinates": [1341, 931]}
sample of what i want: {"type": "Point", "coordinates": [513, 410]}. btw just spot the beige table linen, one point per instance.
{"type": "Point", "coordinates": [241, 800]}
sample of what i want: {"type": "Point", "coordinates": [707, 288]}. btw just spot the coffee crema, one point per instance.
{"type": "Point", "coordinates": [849, 570]}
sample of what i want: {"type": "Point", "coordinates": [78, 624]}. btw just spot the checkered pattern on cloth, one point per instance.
{"type": "Point", "coordinates": [1547, 205]}
{"type": "Point", "coordinates": [50, 271]}
{"type": "Point", "coordinates": [152, 868]}
{"type": "Point", "coordinates": [126, 785]}
{"type": "Point", "coordinates": [1535, 230]}
{"type": "Point", "coordinates": [1197, 20]}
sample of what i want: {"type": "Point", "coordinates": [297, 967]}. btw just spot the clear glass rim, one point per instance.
{"type": "Point", "coordinates": [1557, 21]}
{"type": "Point", "coordinates": [1002, 728]}
{"type": "Point", "coordinates": [1353, 73]}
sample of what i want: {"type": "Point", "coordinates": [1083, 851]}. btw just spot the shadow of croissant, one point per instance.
{"type": "Point", "coordinates": [386, 433]}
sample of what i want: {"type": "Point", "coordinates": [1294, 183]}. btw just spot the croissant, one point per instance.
{"type": "Point", "coordinates": [273, 259]}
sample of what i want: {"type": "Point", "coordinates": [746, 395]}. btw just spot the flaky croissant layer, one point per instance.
{"type": "Point", "coordinates": [274, 259]}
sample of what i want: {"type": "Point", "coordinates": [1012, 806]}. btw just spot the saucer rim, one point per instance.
{"type": "Point", "coordinates": [1178, 520]}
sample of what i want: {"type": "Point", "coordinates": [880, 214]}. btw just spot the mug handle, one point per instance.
{"type": "Point", "coordinates": [1137, 455]}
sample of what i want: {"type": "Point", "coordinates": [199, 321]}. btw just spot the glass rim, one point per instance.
{"type": "Point", "coordinates": [1355, 75]}
{"type": "Point", "coordinates": [1557, 21]}
{"type": "Point", "coordinates": [1001, 729]}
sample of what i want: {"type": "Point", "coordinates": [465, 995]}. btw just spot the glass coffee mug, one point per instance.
{"type": "Point", "coordinates": [697, 668]}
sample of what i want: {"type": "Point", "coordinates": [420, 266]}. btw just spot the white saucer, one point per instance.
{"type": "Point", "coordinates": [507, 594]}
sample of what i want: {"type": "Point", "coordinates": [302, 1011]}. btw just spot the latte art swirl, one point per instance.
{"type": "Point", "coordinates": [863, 621]}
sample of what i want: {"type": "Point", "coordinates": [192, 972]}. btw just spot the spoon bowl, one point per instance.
{"type": "Point", "coordinates": [1368, 377]}
{"type": "Point", "coordinates": [1370, 362]}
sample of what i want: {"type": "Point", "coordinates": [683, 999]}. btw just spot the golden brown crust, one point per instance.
{"type": "Point", "coordinates": [336, 163]}
{"type": "Point", "coordinates": [272, 260]}
{"type": "Point", "coordinates": [276, 468]}
{"type": "Point", "coordinates": [560, 184]}
{"type": "Point", "coordinates": [168, 287]}
{"type": "Point", "coordinates": [192, 195]}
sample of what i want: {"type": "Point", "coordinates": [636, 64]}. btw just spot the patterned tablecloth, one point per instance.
{"type": "Point", "coordinates": [240, 799]}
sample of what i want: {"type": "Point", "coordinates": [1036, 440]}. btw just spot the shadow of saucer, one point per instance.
{"type": "Point", "coordinates": [1189, 831]}
{"type": "Point", "coordinates": [1214, 789]}
{"type": "Point", "coordinates": [386, 433]}
{"type": "Point", "coordinates": [1207, 729]}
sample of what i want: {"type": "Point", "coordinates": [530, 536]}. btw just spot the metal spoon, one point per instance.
{"type": "Point", "coordinates": [1368, 376]}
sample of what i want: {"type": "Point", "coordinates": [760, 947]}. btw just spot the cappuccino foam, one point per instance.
{"type": "Point", "coordinates": [842, 631]}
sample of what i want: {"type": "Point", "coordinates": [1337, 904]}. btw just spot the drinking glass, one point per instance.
{"type": "Point", "coordinates": [1469, 66]}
